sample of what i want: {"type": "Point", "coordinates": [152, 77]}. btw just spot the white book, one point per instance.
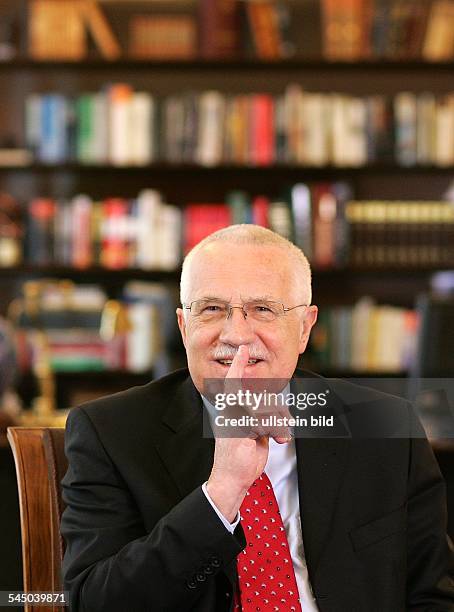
{"type": "Point", "coordinates": [294, 112]}
{"type": "Point", "coordinates": [149, 205]}
{"type": "Point", "coordinates": [280, 219]}
{"type": "Point", "coordinates": [444, 132]}
{"type": "Point", "coordinates": [169, 237]}
{"type": "Point", "coordinates": [141, 128]}
{"type": "Point", "coordinates": [120, 97]}
{"type": "Point", "coordinates": [211, 128]}
{"type": "Point", "coordinates": [425, 128]}
{"type": "Point", "coordinates": [315, 130]}
{"type": "Point", "coordinates": [348, 130]}
{"type": "Point", "coordinates": [356, 113]}
{"type": "Point", "coordinates": [141, 339]}
{"type": "Point", "coordinates": [339, 135]}
{"type": "Point", "coordinates": [361, 315]}
{"type": "Point", "coordinates": [33, 122]}
{"type": "Point", "coordinates": [388, 339]}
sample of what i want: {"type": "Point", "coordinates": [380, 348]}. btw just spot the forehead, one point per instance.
{"type": "Point", "coordinates": [232, 271]}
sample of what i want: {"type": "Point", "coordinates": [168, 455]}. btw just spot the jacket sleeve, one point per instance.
{"type": "Point", "coordinates": [430, 565]}
{"type": "Point", "coordinates": [111, 562]}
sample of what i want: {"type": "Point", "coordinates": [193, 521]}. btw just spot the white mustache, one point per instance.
{"type": "Point", "coordinates": [228, 353]}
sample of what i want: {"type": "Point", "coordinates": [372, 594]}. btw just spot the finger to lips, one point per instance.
{"type": "Point", "coordinates": [239, 362]}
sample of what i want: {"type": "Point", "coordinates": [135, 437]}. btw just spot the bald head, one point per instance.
{"type": "Point", "coordinates": [289, 255]}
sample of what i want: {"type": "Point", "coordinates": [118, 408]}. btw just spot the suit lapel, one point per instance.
{"type": "Point", "coordinates": [321, 462]}
{"type": "Point", "coordinates": [187, 455]}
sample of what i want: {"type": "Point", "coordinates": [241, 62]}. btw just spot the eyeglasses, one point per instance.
{"type": "Point", "coordinates": [209, 311]}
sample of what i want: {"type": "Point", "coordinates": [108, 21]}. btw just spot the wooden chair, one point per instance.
{"type": "Point", "coordinates": [40, 465]}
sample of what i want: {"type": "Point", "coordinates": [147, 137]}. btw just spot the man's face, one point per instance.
{"type": "Point", "coordinates": [238, 274]}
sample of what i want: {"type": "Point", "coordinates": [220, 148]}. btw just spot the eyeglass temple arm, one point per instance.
{"type": "Point", "coordinates": [297, 306]}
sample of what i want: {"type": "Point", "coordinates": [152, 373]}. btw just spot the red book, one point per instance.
{"type": "Point", "coordinates": [114, 249]}
{"type": "Point", "coordinates": [82, 251]}
{"type": "Point", "coordinates": [260, 206]}
{"type": "Point", "coordinates": [262, 133]}
{"type": "Point", "coordinates": [324, 226]}
{"type": "Point", "coordinates": [201, 220]}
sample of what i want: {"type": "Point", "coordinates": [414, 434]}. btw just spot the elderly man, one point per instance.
{"type": "Point", "coordinates": [161, 518]}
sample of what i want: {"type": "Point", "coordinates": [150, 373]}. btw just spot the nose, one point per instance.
{"type": "Point", "coordinates": [237, 329]}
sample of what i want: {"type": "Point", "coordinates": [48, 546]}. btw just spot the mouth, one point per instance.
{"type": "Point", "coordinates": [228, 362]}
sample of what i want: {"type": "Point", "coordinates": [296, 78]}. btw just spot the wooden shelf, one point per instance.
{"type": "Point", "coordinates": [89, 273]}
{"type": "Point", "coordinates": [237, 169]}
{"type": "Point", "coordinates": [96, 63]}
{"type": "Point", "coordinates": [173, 275]}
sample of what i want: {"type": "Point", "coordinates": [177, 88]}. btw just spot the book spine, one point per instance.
{"type": "Point", "coordinates": [218, 28]}
{"type": "Point", "coordinates": [119, 124]}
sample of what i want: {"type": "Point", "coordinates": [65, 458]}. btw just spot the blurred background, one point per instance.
{"type": "Point", "coordinates": [131, 130]}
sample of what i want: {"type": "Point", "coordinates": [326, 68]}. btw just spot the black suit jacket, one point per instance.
{"type": "Point", "coordinates": [141, 535]}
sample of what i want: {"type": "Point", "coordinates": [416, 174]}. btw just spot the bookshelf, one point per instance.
{"type": "Point", "coordinates": [189, 182]}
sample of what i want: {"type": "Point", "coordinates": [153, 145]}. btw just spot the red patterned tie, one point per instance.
{"type": "Point", "coordinates": [265, 569]}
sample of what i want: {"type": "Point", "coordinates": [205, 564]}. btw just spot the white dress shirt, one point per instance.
{"type": "Point", "coordinates": [281, 470]}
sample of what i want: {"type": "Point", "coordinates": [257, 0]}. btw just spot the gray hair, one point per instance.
{"type": "Point", "coordinates": [252, 235]}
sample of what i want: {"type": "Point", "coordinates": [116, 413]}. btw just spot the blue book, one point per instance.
{"type": "Point", "coordinates": [53, 147]}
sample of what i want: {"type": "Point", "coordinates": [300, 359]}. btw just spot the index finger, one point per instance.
{"type": "Point", "coordinates": [239, 362]}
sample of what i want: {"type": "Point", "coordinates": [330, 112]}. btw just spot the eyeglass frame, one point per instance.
{"type": "Point", "coordinates": [231, 307]}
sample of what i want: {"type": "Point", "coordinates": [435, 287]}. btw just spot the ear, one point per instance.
{"type": "Point", "coordinates": [310, 319]}
{"type": "Point", "coordinates": [181, 324]}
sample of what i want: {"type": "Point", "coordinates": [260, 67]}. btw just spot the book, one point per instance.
{"type": "Point", "coordinates": [15, 156]}
{"type": "Point", "coordinates": [344, 29]}
{"type": "Point", "coordinates": [301, 204]}
{"type": "Point", "coordinates": [56, 30]}
{"type": "Point", "coordinates": [315, 140]}
{"type": "Point", "coordinates": [149, 204]}
{"type": "Point", "coordinates": [119, 121]}
{"type": "Point", "coordinates": [142, 337]}
{"type": "Point", "coordinates": [444, 131]}
{"type": "Point", "coordinates": [405, 111]}
{"type": "Point", "coordinates": [39, 230]}
{"type": "Point", "coordinates": [82, 255]}
{"type": "Point", "coordinates": [210, 128]}
{"type": "Point", "coordinates": [349, 135]}
{"type": "Point", "coordinates": [161, 335]}
{"type": "Point", "coordinates": [380, 27]}
{"type": "Point", "coordinates": [63, 233]}
{"type": "Point", "coordinates": [438, 44]}
{"type": "Point", "coordinates": [426, 135]}
{"type": "Point", "coordinates": [162, 37]}
{"type": "Point", "coordinates": [239, 204]}
{"type": "Point", "coordinates": [324, 226]}
{"type": "Point", "coordinates": [262, 130]}
{"type": "Point", "coordinates": [114, 253]}
{"type": "Point", "coordinates": [260, 211]}
{"type": "Point", "coordinates": [11, 231]}
{"type": "Point", "coordinates": [173, 115]}
{"type": "Point", "coordinates": [201, 220]}
{"type": "Point", "coordinates": [263, 18]}
{"type": "Point", "coordinates": [53, 137]}
{"type": "Point", "coordinates": [218, 28]}
{"type": "Point", "coordinates": [169, 238]}
{"type": "Point", "coordinates": [142, 123]}
{"type": "Point", "coordinates": [100, 30]}
{"type": "Point", "coordinates": [280, 218]}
